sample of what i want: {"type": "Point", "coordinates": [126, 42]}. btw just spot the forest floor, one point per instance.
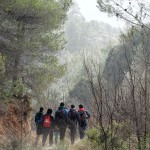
{"type": "Point", "coordinates": [64, 146]}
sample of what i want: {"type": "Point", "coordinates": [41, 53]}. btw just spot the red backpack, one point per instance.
{"type": "Point", "coordinates": [47, 121]}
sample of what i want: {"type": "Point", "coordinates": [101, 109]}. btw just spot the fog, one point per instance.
{"type": "Point", "coordinates": [90, 11]}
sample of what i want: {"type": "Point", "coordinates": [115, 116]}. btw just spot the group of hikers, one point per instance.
{"type": "Point", "coordinates": [46, 124]}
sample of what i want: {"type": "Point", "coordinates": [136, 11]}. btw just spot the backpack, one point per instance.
{"type": "Point", "coordinates": [38, 118]}
{"type": "Point", "coordinates": [82, 118]}
{"type": "Point", "coordinates": [61, 115]}
{"type": "Point", "coordinates": [72, 115]}
{"type": "Point", "coordinates": [47, 121]}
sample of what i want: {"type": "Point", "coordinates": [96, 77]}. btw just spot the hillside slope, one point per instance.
{"type": "Point", "coordinates": [15, 123]}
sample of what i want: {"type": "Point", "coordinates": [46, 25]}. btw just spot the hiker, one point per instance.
{"type": "Point", "coordinates": [48, 126]}
{"type": "Point", "coordinates": [73, 118]}
{"type": "Point", "coordinates": [61, 117]}
{"type": "Point", "coordinates": [83, 116]}
{"type": "Point", "coordinates": [39, 126]}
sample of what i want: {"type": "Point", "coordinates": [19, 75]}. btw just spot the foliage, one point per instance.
{"type": "Point", "coordinates": [40, 78]}
{"type": "Point", "coordinates": [10, 89]}
{"type": "Point", "coordinates": [2, 66]}
{"type": "Point", "coordinates": [82, 92]}
{"type": "Point", "coordinates": [97, 140]}
{"type": "Point", "coordinates": [81, 145]}
{"type": "Point", "coordinates": [94, 136]}
{"type": "Point", "coordinates": [130, 47]}
{"type": "Point", "coordinates": [135, 13]}
{"type": "Point", "coordinates": [120, 93]}
{"type": "Point", "coordinates": [13, 145]}
{"type": "Point", "coordinates": [31, 35]}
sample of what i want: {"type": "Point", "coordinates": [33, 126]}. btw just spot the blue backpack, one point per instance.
{"type": "Point", "coordinates": [38, 118]}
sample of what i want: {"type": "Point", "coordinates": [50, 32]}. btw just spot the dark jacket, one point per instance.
{"type": "Point", "coordinates": [83, 116]}
{"type": "Point", "coordinates": [39, 118]}
{"type": "Point", "coordinates": [61, 116]}
{"type": "Point", "coordinates": [73, 117]}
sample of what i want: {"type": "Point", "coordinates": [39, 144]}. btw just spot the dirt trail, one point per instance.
{"type": "Point", "coordinates": [64, 146]}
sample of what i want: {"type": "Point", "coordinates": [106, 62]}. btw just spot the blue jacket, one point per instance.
{"type": "Point", "coordinates": [39, 118]}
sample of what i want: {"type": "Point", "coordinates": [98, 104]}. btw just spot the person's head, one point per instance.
{"type": "Point", "coordinates": [62, 104]}
{"type": "Point", "coordinates": [41, 109]}
{"type": "Point", "coordinates": [72, 106]}
{"type": "Point", "coordinates": [49, 111]}
{"type": "Point", "coordinates": [80, 106]}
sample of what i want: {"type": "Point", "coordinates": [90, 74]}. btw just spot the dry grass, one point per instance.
{"type": "Point", "coordinates": [80, 145]}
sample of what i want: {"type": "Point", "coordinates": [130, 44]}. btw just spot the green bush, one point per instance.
{"type": "Point", "coordinates": [9, 89]}
{"type": "Point", "coordinates": [97, 140]}
{"type": "Point", "coordinates": [12, 145]}
{"type": "Point", "coordinates": [94, 136]}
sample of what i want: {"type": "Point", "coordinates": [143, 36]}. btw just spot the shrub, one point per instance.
{"type": "Point", "coordinates": [97, 140]}
{"type": "Point", "coordinates": [9, 89]}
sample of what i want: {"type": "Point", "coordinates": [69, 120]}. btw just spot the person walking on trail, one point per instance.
{"type": "Point", "coordinates": [73, 118]}
{"type": "Point", "coordinates": [48, 126]}
{"type": "Point", "coordinates": [83, 116]}
{"type": "Point", "coordinates": [61, 118]}
{"type": "Point", "coordinates": [39, 126]}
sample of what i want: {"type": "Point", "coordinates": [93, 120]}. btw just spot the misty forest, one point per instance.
{"type": "Point", "coordinates": [50, 53]}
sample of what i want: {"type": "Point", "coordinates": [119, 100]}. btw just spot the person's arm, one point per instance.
{"type": "Point", "coordinates": [35, 118]}
{"type": "Point", "coordinates": [56, 115]}
{"type": "Point", "coordinates": [56, 119]}
{"type": "Point", "coordinates": [53, 121]}
{"type": "Point", "coordinates": [66, 112]}
{"type": "Point", "coordinates": [87, 114]}
{"type": "Point", "coordinates": [77, 116]}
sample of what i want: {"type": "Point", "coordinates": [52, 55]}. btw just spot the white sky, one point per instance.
{"type": "Point", "coordinates": [89, 10]}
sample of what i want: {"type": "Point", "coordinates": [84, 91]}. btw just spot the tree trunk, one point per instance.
{"type": "Point", "coordinates": [19, 51]}
{"type": "Point", "coordinates": [16, 69]}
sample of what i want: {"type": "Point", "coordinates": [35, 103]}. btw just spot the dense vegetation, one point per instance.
{"type": "Point", "coordinates": [31, 35]}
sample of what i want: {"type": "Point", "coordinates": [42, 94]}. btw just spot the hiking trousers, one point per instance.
{"type": "Point", "coordinates": [56, 135]}
{"type": "Point", "coordinates": [73, 130]}
{"type": "Point", "coordinates": [82, 132]}
{"type": "Point", "coordinates": [39, 129]}
{"type": "Point", "coordinates": [47, 132]}
{"type": "Point", "coordinates": [39, 132]}
{"type": "Point", "coordinates": [62, 130]}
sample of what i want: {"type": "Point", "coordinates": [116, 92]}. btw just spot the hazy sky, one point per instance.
{"type": "Point", "coordinates": [89, 10]}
